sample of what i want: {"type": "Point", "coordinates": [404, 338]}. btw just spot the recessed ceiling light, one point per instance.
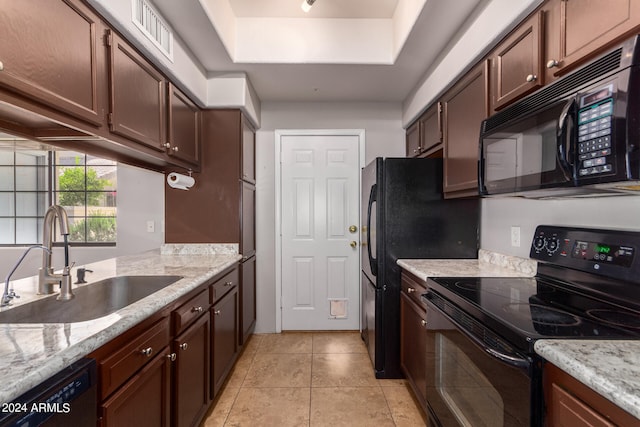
{"type": "Point", "coordinates": [306, 5]}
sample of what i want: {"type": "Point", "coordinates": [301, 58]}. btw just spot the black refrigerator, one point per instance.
{"type": "Point", "coordinates": [404, 215]}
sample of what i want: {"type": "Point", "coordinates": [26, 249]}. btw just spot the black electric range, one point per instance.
{"type": "Point", "coordinates": [587, 286]}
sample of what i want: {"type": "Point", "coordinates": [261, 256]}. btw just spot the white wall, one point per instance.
{"type": "Point", "coordinates": [384, 136]}
{"type": "Point", "coordinates": [499, 214]}
{"type": "Point", "coordinates": [140, 198]}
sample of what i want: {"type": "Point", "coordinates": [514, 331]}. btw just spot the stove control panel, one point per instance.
{"type": "Point", "coordinates": [607, 252]}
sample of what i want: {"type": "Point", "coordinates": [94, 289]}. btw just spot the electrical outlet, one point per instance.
{"type": "Point", "coordinates": [151, 226]}
{"type": "Point", "coordinates": [515, 236]}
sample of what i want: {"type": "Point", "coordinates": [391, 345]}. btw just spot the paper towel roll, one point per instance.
{"type": "Point", "coordinates": [182, 182]}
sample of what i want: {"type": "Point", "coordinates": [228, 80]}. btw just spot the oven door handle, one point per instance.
{"type": "Point", "coordinates": [510, 359]}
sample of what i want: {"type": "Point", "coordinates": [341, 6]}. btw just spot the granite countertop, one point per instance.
{"type": "Point", "coordinates": [488, 264]}
{"type": "Point", "coordinates": [609, 367]}
{"type": "Point", "coordinates": [31, 353]}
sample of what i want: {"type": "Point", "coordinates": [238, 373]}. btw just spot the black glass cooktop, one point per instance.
{"type": "Point", "coordinates": [525, 309]}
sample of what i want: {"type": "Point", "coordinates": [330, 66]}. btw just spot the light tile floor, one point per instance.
{"type": "Point", "coordinates": [311, 379]}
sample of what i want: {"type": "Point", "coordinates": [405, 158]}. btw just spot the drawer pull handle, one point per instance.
{"type": "Point", "coordinates": [411, 290]}
{"type": "Point", "coordinates": [147, 351]}
{"type": "Point", "coordinates": [228, 284]}
{"type": "Point", "coordinates": [424, 322]}
{"type": "Point", "coordinates": [217, 312]}
{"type": "Point", "coordinates": [184, 346]}
{"type": "Point", "coordinates": [198, 309]}
{"type": "Point", "coordinates": [171, 357]}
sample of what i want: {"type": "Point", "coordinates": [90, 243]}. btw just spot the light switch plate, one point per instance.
{"type": "Point", "coordinates": [151, 226]}
{"type": "Point", "coordinates": [515, 236]}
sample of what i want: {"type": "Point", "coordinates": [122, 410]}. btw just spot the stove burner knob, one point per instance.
{"type": "Point", "coordinates": [538, 243]}
{"type": "Point", "coordinates": [552, 245]}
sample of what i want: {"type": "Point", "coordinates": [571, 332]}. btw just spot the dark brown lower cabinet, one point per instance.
{"type": "Point", "coordinates": [144, 400]}
{"type": "Point", "coordinates": [413, 346]}
{"type": "Point", "coordinates": [248, 298]}
{"type": "Point", "coordinates": [225, 332]}
{"type": "Point", "coordinates": [191, 373]}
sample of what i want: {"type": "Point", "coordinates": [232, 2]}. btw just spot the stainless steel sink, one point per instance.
{"type": "Point", "coordinates": [91, 301]}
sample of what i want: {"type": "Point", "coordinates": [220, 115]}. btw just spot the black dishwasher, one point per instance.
{"type": "Point", "coordinates": [69, 398]}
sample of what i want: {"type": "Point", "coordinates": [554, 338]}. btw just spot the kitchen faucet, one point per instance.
{"type": "Point", "coordinates": [47, 278]}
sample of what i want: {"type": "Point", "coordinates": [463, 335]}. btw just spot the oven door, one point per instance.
{"type": "Point", "coordinates": [530, 153]}
{"type": "Point", "coordinates": [470, 383]}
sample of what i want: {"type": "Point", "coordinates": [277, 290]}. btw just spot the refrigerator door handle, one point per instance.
{"type": "Point", "coordinates": [372, 200]}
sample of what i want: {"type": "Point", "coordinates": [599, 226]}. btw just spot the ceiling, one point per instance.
{"type": "Point", "coordinates": [436, 27]}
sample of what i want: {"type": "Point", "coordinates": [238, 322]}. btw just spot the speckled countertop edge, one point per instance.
{"type": "Point", "coordinates": [31, 353]}
{"type": "Point", "coordinates": [488, 264]}
{"type": "Point", "coordinates": [611, 367]}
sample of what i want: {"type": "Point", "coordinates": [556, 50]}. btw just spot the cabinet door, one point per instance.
{"type": "Point", "coordinates": [464, 107]}
{"type": "Point", "coordinates": [248, 212]}
{"type": "Point", "coordinates": [248, 151]}
{"type": "Point", "coordinates": [184, 127]}
{"type": "Point", "coordinates": [145, 400]}
{"type": "Point", "coordinates": [137, 96]}
{"type": "Point", "coordinates": [248, 298]}
{"type": "Point", "coordinates": [431, 129]}
{"type": "Point", "coordinates": [516, 66]}
{"type": "Point", "coordinates": [224, 318]}
{"type": "Point", "coordinates": [413, 346]}
{"type": "Point", "coordinates": [191, 384]}
{"type": "Point", "coordinates": [53, 54]}
{"type": "Point", "coordinates": [413, 140]}
{"type": "Point", "coordinates": [589, 25]}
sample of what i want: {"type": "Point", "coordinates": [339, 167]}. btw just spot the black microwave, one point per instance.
{"type": "Point", "coordinates": [577, 136]}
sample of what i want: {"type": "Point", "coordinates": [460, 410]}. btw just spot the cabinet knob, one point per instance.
{"type": "Point", "coordinates": [217, 312]}
{"type": "Point", "coordinates": [184, 346]}
{"type": "Point", "coordinates": [416, 150]}
{"type": "Point", "coordinates": [166, 145]}
{"type": "Point", "coordinates": [147, 351]}
{"type": "Point", "coordinates": [171, 357]}
{"type": "Point", "coordinates": [411, 290]}
{"type": "Point", "coordinates": [176, 149]}
{"type": "Point", "coordinates": [552, 63]}
{"type": "Point", "coordinates": [197, 309]}
{"type": "Point", "coordinates": [228, 283]}
{"type": "Point", "coordinates": [1, 66]}
{"type": "Point", "coordinates": [532, 78]}
{"type": "Point", "coordinates": [353, 244]}
{"type": "Point", "coordinates": [424, 322]}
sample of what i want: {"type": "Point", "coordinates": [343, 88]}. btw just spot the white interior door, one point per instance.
{"type": "Point", "coordinates": [320, 182]}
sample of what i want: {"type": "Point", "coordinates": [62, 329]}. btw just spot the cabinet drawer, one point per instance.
{"type": "Point", "coordinates": [121, 365]}
{"type": "Point", "coordinates": [224, 285]}
{"type": "Point", "coordinates": [413, 288]}
{"type": "Point", "coordinates": [190, 311]}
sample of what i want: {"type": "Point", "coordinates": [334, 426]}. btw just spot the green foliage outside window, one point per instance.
{"type": "Point", "coordinates": [74, 182]}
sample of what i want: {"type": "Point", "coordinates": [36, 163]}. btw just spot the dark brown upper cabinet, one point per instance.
{"type": "Point", "coordinates": [579, 29]}
{"type": "Point", "coordinates": [465, 105]}
{"type": "Point", "coordinates": [137, 96]}
{"type": "Point", "coordinates": [184, 127]}
{"type": "Point", "coordinates": [53, 55]}
{"type": "Point", "coordinates": [248, 151]}
{"type": "Point", "coordinates": [516, 65]}
{"type": "Point", "coordinates": [424, 137]}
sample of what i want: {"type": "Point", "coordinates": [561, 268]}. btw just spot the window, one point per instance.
{"type": "Point", "coordinates": [32, 180]}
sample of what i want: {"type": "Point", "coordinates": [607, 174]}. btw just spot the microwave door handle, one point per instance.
{"type": "Point", "coordinates": [372, 200]}
{"type": "Point", "coordinates": [563, 139]}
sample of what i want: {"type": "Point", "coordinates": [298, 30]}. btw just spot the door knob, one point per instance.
{"type": "Point", "coordinates": [353, 244]}
{"type": "Point", "coordinates": [353, 229]}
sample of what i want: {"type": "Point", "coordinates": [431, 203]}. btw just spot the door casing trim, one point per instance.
{"type": "Point", "coordinates": [279, 133]}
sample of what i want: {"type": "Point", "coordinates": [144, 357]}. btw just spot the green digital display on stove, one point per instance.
{"type": "Point", "coordinates": [602, 249]}
{"type": "Point", "coordinates": [620, 255]}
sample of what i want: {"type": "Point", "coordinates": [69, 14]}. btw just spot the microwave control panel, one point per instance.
{"type": "Point", "coordinates": [595, 116]}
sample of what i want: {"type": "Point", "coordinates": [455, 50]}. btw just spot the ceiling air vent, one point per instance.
{"type": "Point", "coordinates": [145, 17]}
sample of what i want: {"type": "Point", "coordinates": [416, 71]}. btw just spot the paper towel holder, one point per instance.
{"type": "Point", "coordinates": [180, 181]}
